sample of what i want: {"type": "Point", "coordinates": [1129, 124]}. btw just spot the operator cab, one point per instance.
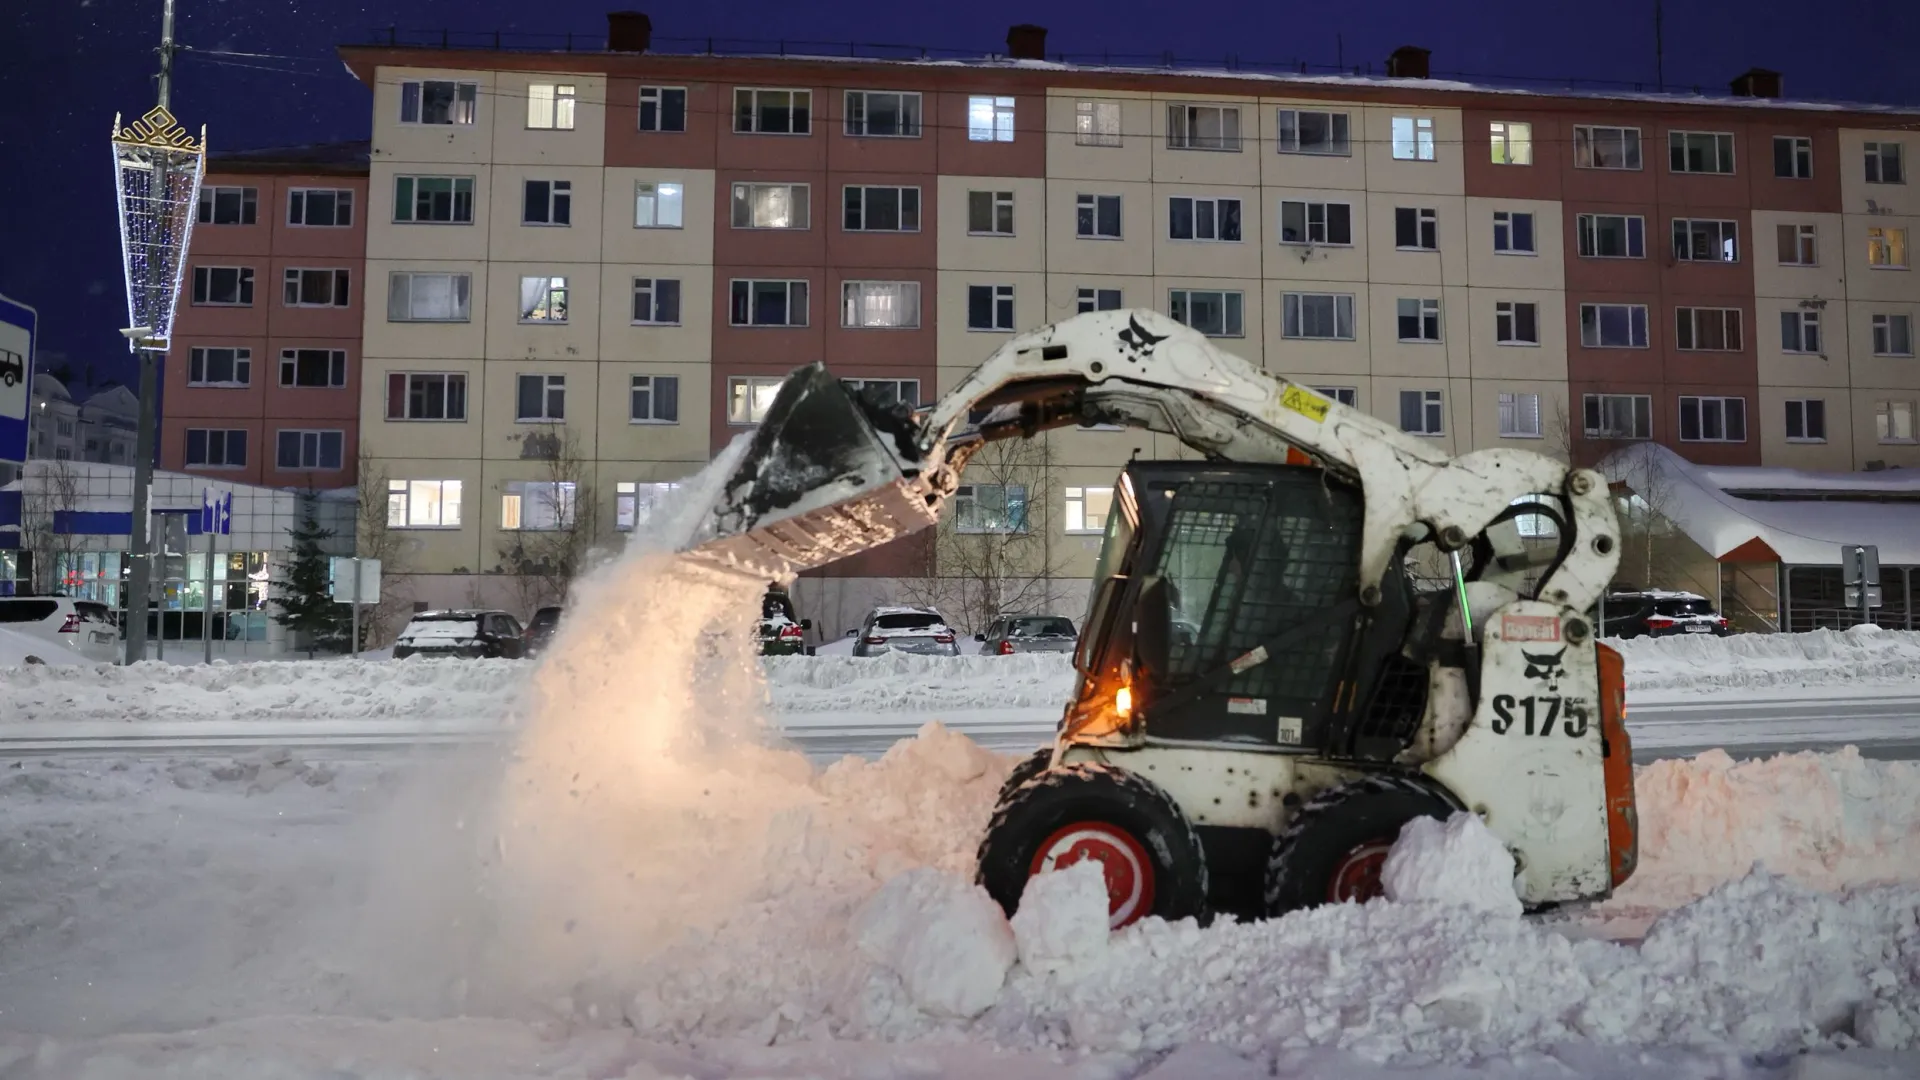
{"type": "Point", "coordinates": [1225, 608]}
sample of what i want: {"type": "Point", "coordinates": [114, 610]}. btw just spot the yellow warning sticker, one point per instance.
{"type": "Point", "coordinates": [1306, 403]}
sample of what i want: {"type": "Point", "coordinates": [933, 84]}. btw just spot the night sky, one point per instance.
{"type": "Point", "coordinates": [72, 63]}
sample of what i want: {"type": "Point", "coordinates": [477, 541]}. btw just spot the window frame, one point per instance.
{"type": "Point", "coordinates": [1419, 142]}
{"type": "Point", "coordinates": [1587, 235]}
{"type": "Point", "coordinates": [1426, 315]}
{"type": "Point", "coordinates": [1087, 298]}
{"type": "Point", "coordinates": [627, 501]}
{"type": "Point", "coordinates": [1501, 136]}
{"type": "Point", "coordinates": [1802, 320]}
{"type": "Point", "coordinates": [1881, 324]}
{"type": "Point", "coordinates": [908, 288]}
{"type": "Point", "coordinates": [1233, 302]}
{"type": "Point", "coordinates": [1512, 226]}
{"type": "Point", "coordinates": [1645, 325]}
{"type": "Point", "coordinates": [1086, 211]}
{"type": "Point", "coordinates": [1189, 111]}
{"type": "Point", "coordinates": [1307, 224]}
{"type": "Point", "coordinates": [750, 383]}
{"type": "Point", "coordinates": [804, 203]}
{"type": "Point", "coordinates": [319, 436]}
{"type": "Point", "coordinates": [207, 207]}
{"type": "Point", "coordinates": [1813, 413]}
{"type": "Point", "coordinates": [1805, 239]}
{"type": "Point", "coordinates": [301, 196]}
{"type": "Point", "coordinates": [206, 448]}
{"type": "Point", "coordinates": [1884, 411]}
{"type": "Point", "coordinates": [1891, 240]}
{"type": "Point", "coordinates": [289, 369]}
{"type": "Point", "coordinates": [1688, 320]}
{"type": "Point", "coordinates": [1086, 123]}
{"type": "Point", "coordinates": [847, 117]}
{"type": "Point", "coordinates": [551, 388]}
{"type": "Point", "coordinates": [996, 201]}
{"type": "Point", "coordinates": [654, 384]}
{"type": "Point", "coordinates": [243, 280]}
{"type": "Point", "coordinates": [659, 104]}
{"type": "Point", "coordinates": [654, 302]}
{"type": "Point", "coordinates": [240, 360]}
{"type": "Point", "coordinates": [1342, 303]}
{"type": "Point", "coordinates": [1507, 406]}
{"type": "Point", "coordinates": [1425, 222]}
{"type": "Point", "coordinates": [1700, 402]}
{"type": "Point", "coordinates": [1432, 407]}
{"type": "Point", "coordinates": [1730, 151]}
{"type": "Point", "coordinates": [293, 286]}
{"type": "Point", "coordinates": [858, 385]}
{"type": "Point", "coordinates": [1729, 234]}
{"type": "Point", "coordinates": [459, 285]}
{"type": "Point", "coordinates": [1341, 395]}
{"type": "Point", "coordinates": [1340, 141]}
{"type": "Point", "coordinates": [399, 411]}
{"type": "Point", "coordinates": [1798, 156]}
{"type": "Point", "coordinates": [1217, 202]}
{"type": "Point", "coordinates": [999, 107]}
{"type": "Point", "coordinates": [1638, 406]}
{"type": "Point", "coordinates": [562, 498]}
{"type": "Point", "coordinates": [1078, 493]}
{"type": "Point", "coordinates": [558, 203]}
{"type": "Point", "coordinates": [754, 110]}
{"type": "Point", "coordinates": [1874, 160]}
{"type": "Point", "coordinates": [464, 93]}
{"type": "Point", "coordinates": [453, 198]}
{"type": "Point", "coordinates": [562, 98]}
{"type": "Point", "coordinates": [1634, 149]}
{"type": "Point", "coordinates": [999, 295]}
{"type": "Point", "coordinates": [967, 496]}
{"type": "Point", "coordinates": [402, 490]}
{"type": "Point", "coordinates": [558, 287]}
{"type": "Point", "coordinates": [658, 197]}
{"type": "Point", "coordinates": [806, 302]}
{"type": "Point", "coordinates": [1509, 335]}
{"type": "Point", "coordinates": [847, 209]}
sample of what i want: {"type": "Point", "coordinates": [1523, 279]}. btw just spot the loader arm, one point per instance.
{"type": "Point", "coordinates": [827, 477]}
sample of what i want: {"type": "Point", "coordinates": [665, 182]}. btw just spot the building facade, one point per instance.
{"type": "Point", "coordinates": [100, 429]}
{"type": "Point", "coordinates": [262, 383]}
{"type": "Point", "coordinates": [597, 266]}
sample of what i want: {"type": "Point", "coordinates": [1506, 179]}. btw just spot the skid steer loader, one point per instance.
{"type": "Point", "coordinates": [1318, 631]}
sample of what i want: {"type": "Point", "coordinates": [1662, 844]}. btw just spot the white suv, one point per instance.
{"type": "Point", "coordinates": [83, 627]}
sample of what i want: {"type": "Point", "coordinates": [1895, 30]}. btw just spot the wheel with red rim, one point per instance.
{"type": "Point", "coordinates": [1334, 848]}
{"type": "Point", "coordinates": [1148, 851]}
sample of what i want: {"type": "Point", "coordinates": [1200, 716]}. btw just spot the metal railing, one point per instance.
{"type": "Point", "coordinates": [516, 41]}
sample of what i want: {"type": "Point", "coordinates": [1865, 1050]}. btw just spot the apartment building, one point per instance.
{"type": "Point", "coordinates": [598, 265]}
{"type": "Point", "coordinates": [262, 383]}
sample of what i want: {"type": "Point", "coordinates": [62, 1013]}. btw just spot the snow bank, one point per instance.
{"type": "Point", "coordinates": [1816, 658]}
{"type": "Point", "coordinates": [946, 939]}
{"type": "Point", "coordinates": [1825, 820]}
{"type": "Point", "coordinates": [1458, 861]}
{"type": "Point", "coordinates": [901, 682]}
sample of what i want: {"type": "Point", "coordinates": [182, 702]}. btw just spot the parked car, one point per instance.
{"type": "Point", "coordinates": [472, 634]}
{"type": "Point", "coordinates": [905, 629]}
{"type": "Point", "coordinates": [780, 633]}
{"type": "Point", "coordinates": [540, 630]}
{"type": "Point", "coordinates": [1658, 613]}
{"type": "Point", "coordinates": [84, 628]}
{"type": "Point", "coordinates": [1011, 634]}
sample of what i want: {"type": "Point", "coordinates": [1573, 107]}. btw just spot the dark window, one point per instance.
{"type": "Point", "coordinates": [663, 108]}
{"type": "Point", "coordinates": [313, 367]}
{"type": "Point", "coordinates": [321, 450]}
{"type": "Point", "coordinates": [426, 396]}
{"type": "Point", "coordinates": [228, 205]}
{"type": "Point", "coordinates": [221, 447]}
{"type": "Point", "coordinates": [548, 202]}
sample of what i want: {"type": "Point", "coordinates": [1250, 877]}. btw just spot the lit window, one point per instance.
{"type": "Point", "coordinates": [538, 505]}
{"type": "Point", "coordinates": [543, 299]}
{"type": "Point", "coordinates": [750, 396]}
{"type": "Point", "coordinates": [880, 304]}
{"type": "Point", "coordinates": [417, 297]}
{"type": "Point", "coordinates": [550, 106]}
{"type": "Point", "coordinates": [423, 504]}
{"type": "Point", "coordinates": [990, 119]}
{"type": "Point", "coordinates": [635, 504]}
{"type": "Point", "coordinates": [1087, 509]}
{"type": "Point", "coordinates": [1887, 248]}
{"type": "Point", "coordinates": [1512, 143]}
{"type": "Point", "coordinates": [770, 206]}
{"type": "Point", "coordinates": [657, 206]}
{"type": "Point", "coordinates": [1893, 421]}
{"type": "Point", "coordinates": [1519, 416]}
{"type": "Point", "coordinates": [1413, 138]}
{"type": "Point", "coordinates": [1096, 123]}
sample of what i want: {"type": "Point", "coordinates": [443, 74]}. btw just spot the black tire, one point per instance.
{"type": "Point", "coordinates": [1325, 852]}
{"type": "Point", "coordinates": [1026, 769]}
{"type": "Point", "coordinates": [1125, 815]}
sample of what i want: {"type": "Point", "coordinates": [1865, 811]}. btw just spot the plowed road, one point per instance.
{"type": "Point", "coordinates": [1881, 724]}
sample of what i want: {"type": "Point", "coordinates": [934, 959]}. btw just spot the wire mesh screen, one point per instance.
{"type": "Point", "coordinates": [1250, 560]}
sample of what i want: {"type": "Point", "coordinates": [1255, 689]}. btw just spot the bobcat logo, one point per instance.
{"type": "Point", "coordinates": [1138, 342]}
{"type": "Point", "coordinates": [1545, 666]}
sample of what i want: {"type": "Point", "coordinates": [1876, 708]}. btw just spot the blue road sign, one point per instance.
{"type": "Point", "coordinates": [17, 326]}
{"type": "Point", "coordinates": [216, 513]}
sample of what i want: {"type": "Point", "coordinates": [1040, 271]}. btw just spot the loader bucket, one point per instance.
{"type": "Point", "coordinates": [826, 475]}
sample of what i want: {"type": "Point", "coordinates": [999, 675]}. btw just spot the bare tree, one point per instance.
{"type": "Point", "coordinates": [995, 551]}
{"type": "Point", "coordinates": [559, 515]}
{"type": "Point", "coordinates": [375, 538]}
{"type": "Point", "coordinates": [50, 488]}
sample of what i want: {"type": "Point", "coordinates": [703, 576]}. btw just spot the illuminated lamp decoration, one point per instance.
{"type": "Point", "coordinates": [158, 166]}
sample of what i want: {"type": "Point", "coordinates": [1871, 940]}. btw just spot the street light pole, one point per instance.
{"type": "Point", "coordinates": [139, 539]}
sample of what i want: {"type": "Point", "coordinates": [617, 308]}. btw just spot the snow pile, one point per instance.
{"type": "Point", "coordinates": [479, 692]}
{"type": "Point", "coordinates": [1458, 861]}
{"type": "Point", "coordinates": [946, 940]}
{"type": "Point", "coordinates": [905, 682]}
{"type": "Point", "coordinates": [1063, 916]}
{"type": "Point", "coordinates": [1815, 658]}
{"type": "Point", "coordinates": [1825, 820]}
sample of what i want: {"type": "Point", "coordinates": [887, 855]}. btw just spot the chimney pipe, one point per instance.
{"type": "Point", "coordinates": [629, 31]}
{"type": "Point", "coordinates": [1027, 42]}
{"type": "Point", "coordinates": [1758, 83]}
{"type": "Point", "coordinates": [1408, 62]}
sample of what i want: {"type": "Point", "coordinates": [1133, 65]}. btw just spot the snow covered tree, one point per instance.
{"type": "Point", "coordinates": [305, 607]}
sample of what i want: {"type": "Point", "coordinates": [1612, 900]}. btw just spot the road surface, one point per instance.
{"type": "Point", "coordinates": [1883, 725]}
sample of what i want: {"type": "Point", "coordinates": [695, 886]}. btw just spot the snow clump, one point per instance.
{"type": "Point", "coordinates": [946, 939]}
{"type": "Point", "coordinates": [1062, 921]}
{"type": "Point", "coordinates": [1458, 861]}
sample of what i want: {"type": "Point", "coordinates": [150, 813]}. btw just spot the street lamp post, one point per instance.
{"type": "Point", "coordinates": [158, 166]}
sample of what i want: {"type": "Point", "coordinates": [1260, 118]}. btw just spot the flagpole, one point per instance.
{"type": "Point", "coordinates": [206, 600]}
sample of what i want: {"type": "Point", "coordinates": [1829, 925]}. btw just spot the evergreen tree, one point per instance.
{"type": "Point", "coordinates": [305, 607]}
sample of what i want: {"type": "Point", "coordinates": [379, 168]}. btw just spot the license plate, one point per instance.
{"type": "Point", "coordinates": [1698, 628]}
